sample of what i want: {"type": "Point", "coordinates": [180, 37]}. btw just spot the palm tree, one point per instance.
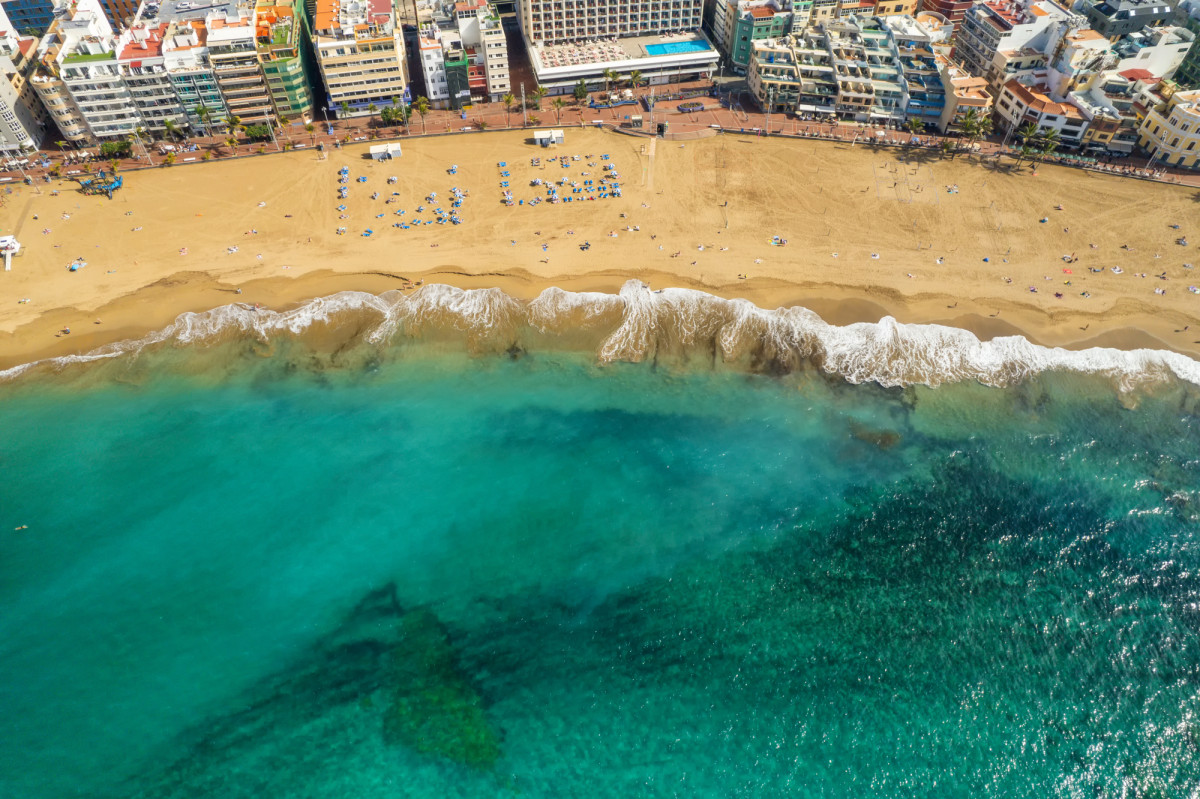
{"type": "Point", "coordinates": [508, 101]}
{"type": "Point", "coordinates": [482, 125]}
{"type": "Point", "coordinates": [371, 109]}
{"type": "Point", "coordinates": [1047, 143]}
{"type": "Point", "coordinates": [171, 129]}
{"type": "Point", "coordinates": [635, 78]}
{"type": "Point", "coordinates": [312, 132]}
{"type": "Point", "coordinates": [558, 104]}
{"type": "Point", "coordinates": [421, 106]}
{"type": "Point", "coordinates": [344, 110]}
{"type": "Point", "coordinates": [204, 115]}
{"type": "Point", "coordinates": [538, 94]}
{"type": "Point", "coordinates": [948, 148]}
{"type": "Point", "coordinates": [914, 125]}
{"type": "Point", "coordinates": [609, 77]}
{"type": "Point", "coordinates": [1028, 132]}
{"type": "Point", "coordinates": [231, 142]}
{"type": "Point", "coordinates": [1023, 153]}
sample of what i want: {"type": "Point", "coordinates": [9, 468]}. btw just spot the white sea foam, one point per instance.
{"type": "Point", "coordinates": [640, 323]}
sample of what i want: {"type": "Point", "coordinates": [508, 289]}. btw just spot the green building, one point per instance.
{"type": "Point", "coordinates": [1188, 75]}
{"type": "Point", "coordinates": [758, 22]}
{"type": "Point", "coordinates": [280, 38]}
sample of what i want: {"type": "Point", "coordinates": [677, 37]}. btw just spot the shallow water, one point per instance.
{"type": "Point", "coordinates": [248, 574]}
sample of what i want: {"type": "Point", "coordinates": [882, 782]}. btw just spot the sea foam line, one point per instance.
{"type": "Point", "coordinates": [638, 321]}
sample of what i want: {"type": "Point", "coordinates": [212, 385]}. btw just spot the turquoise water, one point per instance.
{"type": "Point", "coordinates": [674, 48]}
{"type": "Point", "coordinates": [249, 573]}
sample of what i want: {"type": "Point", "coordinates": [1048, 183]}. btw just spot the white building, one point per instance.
{"type": "Point", "coordinates": [21, 129]}
{"type": "Point", "coordinates": [1158, 50]}
{"type": "Point", "coordinates": [360, 52]}
{"type": "Point", "coordinates": [482, 34]}
{"type": "Point", "coordinates": [578, 40]}
{"type": "Point", "coordinates": [141, 62]}
{"type": "Point", "coordinates": [994, 27]}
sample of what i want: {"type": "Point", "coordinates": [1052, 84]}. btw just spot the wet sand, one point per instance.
{"type": "Point", "coordinates": [729, 195]}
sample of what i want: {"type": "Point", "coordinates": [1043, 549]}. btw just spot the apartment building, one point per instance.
{"type": "Point", "coordinates": [867, 71]}
{"type": "Point", "coordinates": [1159, 50]}
{"type": "Point", "coordinates": [481, 35]}
{"type": "Point", "coordinates": [1171, 130]}
{"type": "Point", "coordinates": [233, 53]}
{"type": "Point", "coordinates": [774, 75]}
{"type": "Point", "coordinates": [360, 54]}
{"type": "Point", "coordinates": [28, 17]}
{"type": "Point", "coordinates": [963, 92]}
{"type": "Point", "coordinates": [912, 42]}
{"type": "Point", "coordinates": [952, 10]}
{"type": "Point", "coordinates": [280, 41]}
{"type": "Point", "coordinates": [850, 68]}
{"type": "Point", "coordinates": [1116, 18]}
{"type": "Point", "coordinates": [1020, 104]}
{"type": "Point", "coordinates": [120, 13]}
{"type": "Point", "coordinates": [1005, 26]}
{"type": "Point", "coordinates": [141, 63]}
{"type": "Point", "coordinates": [185, 56]}
{"type": "Point", "coordinates": [433, 67]}
{"type": "Point", "coordinates": [23, 119]}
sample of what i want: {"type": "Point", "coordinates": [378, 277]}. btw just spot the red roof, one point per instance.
{"type": "Point", "coordinates": [761, 12]}
{"type": "Point", "coordinates": [1137, 74]}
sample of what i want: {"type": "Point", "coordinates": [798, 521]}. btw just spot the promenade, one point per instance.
{"type": "Point", "coordinates": [732, 112]}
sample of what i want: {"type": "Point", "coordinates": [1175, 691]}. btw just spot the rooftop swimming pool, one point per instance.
{"type": "Point", "coordinates": [673, 48]}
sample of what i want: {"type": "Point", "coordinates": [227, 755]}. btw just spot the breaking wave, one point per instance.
{"type": "Point", "coordinates": [640, 323]}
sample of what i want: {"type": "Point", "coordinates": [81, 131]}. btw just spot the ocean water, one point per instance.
{"type": "Point", "coordinates": [366, 553]}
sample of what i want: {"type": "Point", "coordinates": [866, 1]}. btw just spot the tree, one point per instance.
{"type": "Point", "coordinates": [534, 119]}
{"type": "Point", "coordinates": [258, 132]}
{"type": "Point", "coordinates": [204, 115]}
{"type": "Point", "coordinates": [914, 126]}
{"type": "Point", "coordinates": [115, 149]}
{"type": "Point", "coordinates": [1028, 132]}
{"type": "Point", "coordinates": [312, 132]}
{"type": "Point", "coordinates": [635, 78]}
{"type": "Point", "coordinates": [231, 142]}
{"type": "Point", "coordinates": [371, 109]}
{"type": "Point", "coordinates": [508, 101]}
{"type": "Point", "coordinates": [1023, 153]}
{"type": "Point", "coordinates": [609, 77]}
{"type": "Point", "coordinates": [171, 129]}
{"type": "Point", "coordinates": [558, 104]}
{"type": "Point", "coordinates": [344, 110]}
{"type": "Point", "coordinates": [1047, 143]}
{"type": "Point", "coordinates": [948, 148]}
{"type": "Point", "coordinates": [538, 94]}
{"type": "Point", "coordinates": [581, 91]}
{"type": "Point", "coordinates": [483, 125]}
{"type": "Point", "coordinates": [421, 106]}
{"type": "Point", "coordinates": [114, 164]}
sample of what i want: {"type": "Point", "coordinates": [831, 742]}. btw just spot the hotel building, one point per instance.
{"type": "Point", "coordinates": [574, 40]}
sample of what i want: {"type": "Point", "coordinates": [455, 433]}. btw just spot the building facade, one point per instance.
{"type": "Point", "coordinates": [281, 46]}
{"type": "Point", "coordinates": [29, 17]}
{"type": "Point", "coordinates": [1116, 18]}
{"type": "Point", "coordinates": [559, 21]}
{"type": "Point", "coordinates": [1171, 131]}
{"type": "Point", "coordinates": [360, 54]}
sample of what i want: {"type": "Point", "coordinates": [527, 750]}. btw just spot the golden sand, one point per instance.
{"type": "Point", "coordinates": [729, 194]}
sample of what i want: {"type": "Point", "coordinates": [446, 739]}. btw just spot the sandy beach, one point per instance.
{"type": "Point", "coordinates": [869, 232]}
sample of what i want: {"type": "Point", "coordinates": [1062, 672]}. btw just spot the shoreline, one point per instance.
{"type": "Point", "coordinates": [191, 293]}
{"type": "Point", "coordinates": [859, 248]}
